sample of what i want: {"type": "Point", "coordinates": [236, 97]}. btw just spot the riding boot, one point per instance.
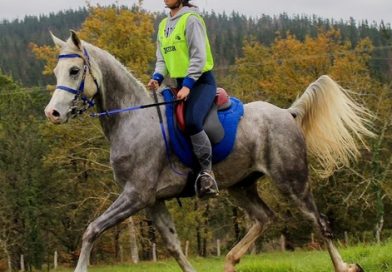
{"type": "Point", "coordinates": [205, 185]}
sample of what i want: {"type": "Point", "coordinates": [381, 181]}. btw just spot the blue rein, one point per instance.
{"type": "Point", "coordinates": [117, 111]}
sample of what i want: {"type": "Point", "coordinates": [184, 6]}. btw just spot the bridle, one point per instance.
{"type": "Point", "coordinates": [81, 102]}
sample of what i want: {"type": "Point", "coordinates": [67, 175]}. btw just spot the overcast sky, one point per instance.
{"type": "Point", "coordinates": [372, 10]}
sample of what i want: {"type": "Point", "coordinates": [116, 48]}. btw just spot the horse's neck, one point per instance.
{"type": "Point", "coordinates": [120, 90]}
{"type": "Point", "coordinates": [120, 87]}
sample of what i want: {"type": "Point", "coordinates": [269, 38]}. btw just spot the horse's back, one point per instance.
{"type": "Point", "coordinates": [268, 139]}
{"type": "Point", "coordinates": [268, 120]}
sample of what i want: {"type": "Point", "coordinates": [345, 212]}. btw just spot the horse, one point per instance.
{"type": "Point", "coordinates": [271, 141]}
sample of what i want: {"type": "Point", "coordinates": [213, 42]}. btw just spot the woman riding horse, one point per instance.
{"type": "Point", "coordinates": [328, 124]}
{"type": "Point", "coordinates": [184, 53]}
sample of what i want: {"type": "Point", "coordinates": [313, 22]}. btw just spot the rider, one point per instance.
{"type": "Point", "coordinates": [183, 52]}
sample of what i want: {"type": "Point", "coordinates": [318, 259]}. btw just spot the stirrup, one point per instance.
{"type": "Point", "coordinates": [211, 191]}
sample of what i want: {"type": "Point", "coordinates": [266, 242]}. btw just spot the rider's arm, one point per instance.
{"type": "Point", "coordinates": [196, 39]}
{"type": "Point", "coordinates": [160, 66]}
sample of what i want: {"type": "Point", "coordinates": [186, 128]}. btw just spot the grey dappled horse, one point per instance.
{"type": "Point", "coordinates": [270, 141]}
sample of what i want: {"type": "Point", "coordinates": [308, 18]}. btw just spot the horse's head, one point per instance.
{"type": "Point", "coordinates": [76, 82]}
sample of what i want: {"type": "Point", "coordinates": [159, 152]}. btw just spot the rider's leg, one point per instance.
{"type": "Point", "coordinates": [198, 104]}
{"type": "Point", "coordinates": [206, 185]}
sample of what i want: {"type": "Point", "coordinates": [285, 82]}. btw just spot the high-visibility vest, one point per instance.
{"type": "Point", "coordinates": [175, 49]}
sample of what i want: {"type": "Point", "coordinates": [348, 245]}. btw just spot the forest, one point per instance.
{"type": "Point", "coordinates": [54, 180]}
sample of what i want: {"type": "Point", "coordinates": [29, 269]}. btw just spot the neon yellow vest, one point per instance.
{"type": "Point", "coordinates": [174, 48]}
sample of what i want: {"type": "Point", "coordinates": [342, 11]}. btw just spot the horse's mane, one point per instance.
{"type": "Point", "coordinates": [118, 86]}
{"type": "Point", "coordinates": [105, 56]}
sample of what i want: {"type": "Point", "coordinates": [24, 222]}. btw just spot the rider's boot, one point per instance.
{"type": "Point", "coordinates": [205, 185]}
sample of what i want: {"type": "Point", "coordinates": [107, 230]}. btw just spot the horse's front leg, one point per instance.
{"type": "Point", "coordinates": [164, 223]}
{"type": "Point", "coordinates": [128, 203]}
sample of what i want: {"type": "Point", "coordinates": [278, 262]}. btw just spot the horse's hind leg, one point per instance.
{"type": "Point", "coordinates": [296, 186]}
{"type": "Point", "coordinates": [164, 223]}
{"type": "Point", "coordinates": [248, 199]}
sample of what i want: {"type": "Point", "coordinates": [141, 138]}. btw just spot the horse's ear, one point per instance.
{"type": "Point", "coordinates": [59, 43]}
{"type": "Point", "coordinates": [75, 39]}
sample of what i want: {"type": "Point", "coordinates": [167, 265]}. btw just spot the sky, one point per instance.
{"type": "Point", "coordinates": [371, 10]}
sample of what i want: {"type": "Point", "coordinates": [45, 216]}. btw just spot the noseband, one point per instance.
{"type": "Point", "coordinates": [81, 102]}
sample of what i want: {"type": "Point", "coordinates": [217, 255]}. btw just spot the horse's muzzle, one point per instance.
{"type": "Point", "coordinates": [53, 115]}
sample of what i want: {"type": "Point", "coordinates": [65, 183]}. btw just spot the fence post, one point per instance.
{"type": "Point", "coordinates": [121, 254]}
{"type": "Point", "coordinates": [55, 264]}
{"type": "Point", "coordinates": [133, 241]}
{"type": "Point", "coordinates": [346, 241]}
{"type": "Point", "coordinates": [22, 264]}
{"type": "Point", "coordinates": [218, 248]}
{"type": "Point", "coordinates": [9, 264]}
{"type": "Point", "coordinates": [282, 242]}
{"type": "Point", "coordinates": [186, 248]}
{"type": "Point", "coordinates": [253, 249]}
{"type": "Point", "coordinates": [154, 252]}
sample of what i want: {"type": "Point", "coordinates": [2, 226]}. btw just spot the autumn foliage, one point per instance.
{"type": "Point", "coordinates": [282, 71]}
{"type": "Point", "coordinates": [126, 34]}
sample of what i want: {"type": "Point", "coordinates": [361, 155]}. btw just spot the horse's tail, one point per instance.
{"type": "Point", "coordinates": [332, 122]}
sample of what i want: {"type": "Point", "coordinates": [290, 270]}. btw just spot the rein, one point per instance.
{"type": "Point", "coordinates": [117, 111]}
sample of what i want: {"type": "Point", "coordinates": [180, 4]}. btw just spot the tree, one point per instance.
{"type": "Point", "coordinates": [22, 215]}
{"type": "Point", "coordinates": [283, 71]}
{"type": "Point", "coordinates": [126, 34]}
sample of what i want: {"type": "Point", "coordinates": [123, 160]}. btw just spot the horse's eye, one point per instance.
{"type": "Point", "coordinates": [74, 71]}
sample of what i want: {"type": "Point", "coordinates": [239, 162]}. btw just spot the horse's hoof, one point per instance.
{"type": "Point", "coordinates": [229, 268]}
{"type": "Point", "coordinates": [355, 268]}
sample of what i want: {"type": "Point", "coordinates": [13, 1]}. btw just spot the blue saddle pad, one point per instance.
{"type": "Point", "coordinates": [180, 143]}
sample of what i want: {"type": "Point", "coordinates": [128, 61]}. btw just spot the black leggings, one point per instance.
{"type": "Point", "coordinates": [199, 102]}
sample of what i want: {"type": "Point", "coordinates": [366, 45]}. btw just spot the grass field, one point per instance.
{"type": "Point", "coordinates": [375, 258]}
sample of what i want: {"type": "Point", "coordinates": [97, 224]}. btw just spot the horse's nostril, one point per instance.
{"type": "Point", "coordinates": [55, 113]}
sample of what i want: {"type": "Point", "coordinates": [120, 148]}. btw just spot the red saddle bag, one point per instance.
{"type": "Point", "coordinates": [222, 101]}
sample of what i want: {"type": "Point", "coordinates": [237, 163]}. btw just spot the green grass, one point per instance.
{"type": "Point", "coordinates": [375, 258]}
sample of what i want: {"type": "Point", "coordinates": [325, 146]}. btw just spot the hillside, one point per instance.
{"type": "Point", "coordinates": [227, 34]}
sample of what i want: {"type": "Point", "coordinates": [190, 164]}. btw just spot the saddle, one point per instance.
{"type": "Point", "coordinates": [227, 119]}
{"type": "Point", "coordinates": [212, 125]}
{"type": "Point", "coordinates": [221, 126]}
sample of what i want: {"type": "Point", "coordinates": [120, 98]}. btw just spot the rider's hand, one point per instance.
{"type": "Point", "coordinates": [153, 85]}
{"type": "Point", "coordinates": [183, 93]}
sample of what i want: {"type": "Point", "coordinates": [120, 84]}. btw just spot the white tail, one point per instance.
{"type": "Point", "coordinates": [332, 122]}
